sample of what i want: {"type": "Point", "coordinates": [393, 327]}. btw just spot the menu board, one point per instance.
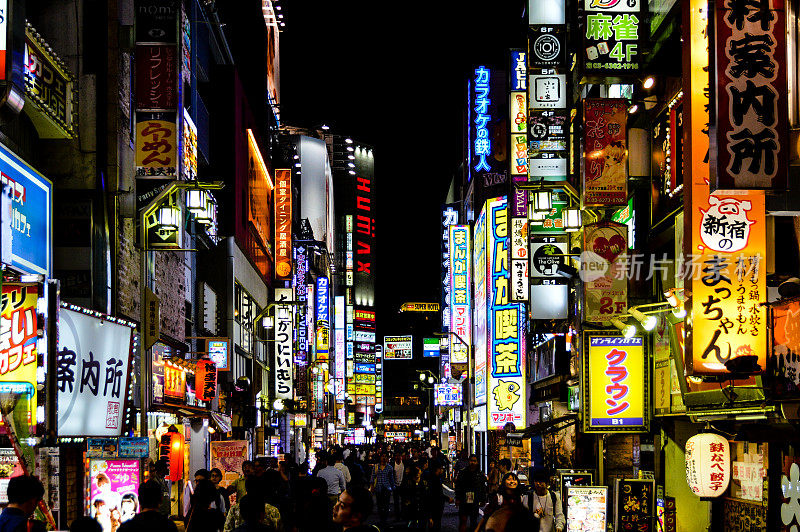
{"type": "Point", "coordinates": [587, 508]}
{"type": "Point", "coordinates": [633, 505]}
{"type": "Point", "coordinates": [570, 477]}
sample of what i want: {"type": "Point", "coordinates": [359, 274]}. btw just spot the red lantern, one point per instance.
{"type": "Point", "coordinates": [205, 380]}
{"type": "Point", "coordinates": [170, 448]}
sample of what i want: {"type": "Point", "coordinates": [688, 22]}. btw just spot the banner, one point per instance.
{"type": "Point", "coordinates": [603, 271]}
{"type": "Point", "coordinates": [156, 77]}
{"type": "Point", "coordinates": [156, 145]}
{"type": "Point", "coordinates": [322, 319]}
{"type": "Point", "coordinates": [114, 491]}
{"type": "Point", "coordinates": [283, 224]}
{"type": "Point", "coordinates": [615, 391]}
{"type": "Point", "coordinates": [93, 370]}
{"type": "Point", "coordinates": [18, 353]}
{"type": "Point", "coordinates": [228, 456]}
{"type": "Point", "coordinates": [284, 324]}
{"type": "Point", "coordinates": [505, 326]}
{"type": "Point", "coordinates": [480, 343]}
{"type": "Point", "coordinates": [605, 168]}
{"type": "Point", "coordinates": [460, 304]}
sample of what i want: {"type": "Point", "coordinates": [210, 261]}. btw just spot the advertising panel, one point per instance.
{"type": "Point", "coordinates": [114, 491]}
{"type": "Point", "coordinates": [612, 40]}
{"type": "Point", "coordinates": [18, 353]}
{"type": "Point", "coordinates": [751, 130]}
{"type": "Point", "coordinates": [481, 146]}
{"type": "Point", "coordinates": [547, 90]}
{"type": "Point", "coordinates": [49, 84]}
{"type": "Point", "coordinates": [189, 148]}
{"type": "Point", "coordinates": [449, 217]}
{"type": "Point", "coordinates": [301, 295]}
{"type": "Point", "coordinates": [430, 347]}
{"type": "Point", "coordinates": [667, 159]}
{"type": "Point", "coordinates": [339, 354]}
{"type": "Point", "coordinates": [447, 395]}
{"type": "Point", "coordinates": [548, 145]}
{"type": "Point", "coordinates": [518, 113]}
{"type": "Point", "coordinates": [728, 280]}
{"type": "Point", "coordinates": [546, 46]}
{"type": "Point", "coordinates": [378, 379]}
{"type": "Point", "coordinates": [219, 352]}
{"type": "Point", "coordinates": [605, 168]}
{"type": "Point", "coordinates": [93, 362]}
{"type": "Point", "coordinates": [283, 224]}
{"type": "Point", "coordinates": [157, 21]}
{"type": "Point", "coordinates": [156, 77]}
{"type": "Point", "coordinates": [505, 326]}
{"type": "Point", "coordinates": [615, 391]}
{"type": "Point", "coordinates": [603, 271]}
{"type": "Point", "coordinates": [228, 456]}
{"type": "Point", "coordinates": [259, 194]}
{"type": "Point", "coordinates": [633, 504]}
{"type": "Point", "coordinates": [156, 145]}
{"type": "Point", "coordinates": [546, 256]}
{"type": "Point", "coordinates": [284, 324]}
{"type": "Point", "coordinates": [587, 508]}
{"type": "Point", "coordinates": [519, 258]}
{"type": "Point", "coordinates": [205, 380]}
{"type": "Point", "coordinates": [480, 309]}
{"type": "Point", "coordinates": [398, 347]}
{"type": "Point", "coordinates": [460, 304]}
{"type": "Point", "coordinates": [546, 12]}
{"type": "Point", "coordinates": [322, 318]}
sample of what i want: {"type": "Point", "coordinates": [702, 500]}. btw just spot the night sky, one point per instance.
{"type": "Point", "coordinates": [394, 75]}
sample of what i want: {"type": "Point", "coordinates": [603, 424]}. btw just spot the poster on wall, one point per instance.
{"type": "Point", "coordinates": [94, 369]}
{"type": "Point", "coordinates": [479, 355]}
{"type": "Point", "coordinates": [604, 271]}
{"type": "Point", "coordinates": [114, 491]}
{"type": "Point", "coordinates": [615, 391]}
{"type": "Point", "coordinates": [228, 456]}
{"type": "Point", "coordinates": [587, 508]}
{"type": "Point", "coordinates": [605, 160]}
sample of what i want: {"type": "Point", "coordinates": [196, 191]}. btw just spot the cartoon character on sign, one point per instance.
{"type": "Point", "coordinates": [505, 394]}
{"type": "Point", "coordinates": [725, 225]}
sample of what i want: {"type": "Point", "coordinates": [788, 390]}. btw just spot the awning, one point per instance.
{"type": "Point", "coordinates": [553, 425]}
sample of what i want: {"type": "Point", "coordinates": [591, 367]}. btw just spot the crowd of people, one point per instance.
{"type": "Point", "coordinates": [338, 491]}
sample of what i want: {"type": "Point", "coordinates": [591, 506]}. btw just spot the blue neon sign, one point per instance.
{"type": "Point", "coordinates": [482, 143]}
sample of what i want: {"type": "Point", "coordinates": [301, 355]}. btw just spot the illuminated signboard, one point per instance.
{"type": "Point", "coordinates": [449, 217]}
{"type": "Point", "coordinates": [605, 171]}
{"type": "Point", "coordinates": [339, 361]}
{"type": "Point", "coordinates": [460, 304]}
{"type": "Point", "coordinates": [218, 352]}
{"type": "Point", "coordinates": [480, 309]}
{"type": "Point", "coordinates": [430, 347]}
{"type": "Point", "coordinates": [518, 113]}
{"type": "Point", "coordinates": [189, 148]}
{"type": "Point", "coordinates": [259, 196]}
{"type": "Point", "coordinates": [419, 307]}
{"type": "Point", "coordinates": [397, 347]}
{"type": "Point", "coordinates": [322, 315]}
{"type": "Point", "coordinates": [447, 395]}
{"type": "Point", "coordinates": [729, 286]}
{"type": "Point", "coordinates": [611, 41]}
{"type": "Point", "coordinates": [627, 217]}
{"type": "Point", "coordinates": [482, 142]}
{"type": "Point", "coordinates": [546, 46]}
{"type": "Point", "coordinates": [378, 379]}
{"type": "Point", "coordinates": [364, 315]}
{"type": "Point", "coordinates": [548, 143]}
{"type": "Point", "coordinates": [18, 353]}
{"type": "Point", "coordinates": [547, 90]}
{"type": "Point", "coordinates": [505, 327]}
{"type": "Point", "coordinates": [752, 138]}
{"type": "Point", "coordinates": [156, 144]}
{"type": "Point", "coordinates": [605, 281]}
{"type": "Point", "coordinates": [615, 391]}
{"type": "Point", "coordinates": [301, 293]}
{"type": "Point", "coordinates": [284, 321]}
{"type": "Point", "coordinates": [283, 224]}
{"type": "Point", "coordinates": [364, 368]}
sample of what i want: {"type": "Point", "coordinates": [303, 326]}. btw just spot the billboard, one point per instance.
{"type": "Point", "coordinates": [114, 490]}
{"type": "Point", "coordinates": [603, 271]}
{"type": "Point", "coordinates": [398, 348]}
{"type": "Point", "coordinates": [284, 325]}
{"type": "Point", "coordinates": [605, 168]}
{"type": "Point", "coordinates": [322, 318]}
{"type": "Point", "coordinates": [447, 395]}
{"type": "Point", "coordinates": [18, 354]}
{"type": "Point", "coordinates": [430, 347]}
{"type": "Point", "coordinates": [259, 194]}
{"type": "Point", "coordinates": [615, 391]}
{"type": "Point", "coordinates": [228, 456]}
{"type": "Point", "coordinates": [283, 224]}
{"type": "Point", "coordinates": [93, 362]}
{"type": "Point", "coordinates": [505, 326]}
{"type": "Point", "coordinates": [460, 305]}
{"type": "Point", "coordinates": [479, 355]}
{"type": "Point", "coordinates": [156, 144]}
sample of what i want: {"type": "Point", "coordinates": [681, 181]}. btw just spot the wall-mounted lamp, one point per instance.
{"type": "Point", "coordinates": [168, 217]}
{"type": "Point", "coordinates": [572, 219]}
{"type": "Point", "coordinates": [649, 82]}
{"type": "Point", "coordinates": [627, 330]}
{"type": "Point", "coordinates": [541, 201]}
{"type": "Point", "coordinates": [278, 405]}
{"type": "Point", "coordinates": [648, 322]}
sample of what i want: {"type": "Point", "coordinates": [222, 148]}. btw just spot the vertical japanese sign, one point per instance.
{"type": "Point", "coordinates": [605, 168]}
{"type": "Point", "coordinates": [92, 373]}
{"type": "Point", "coordinates": [460, 304]}
{"type": "Point", "coordinates": [284, 323]}
{"type": "Point", "coordinates": [751, 127]}
{"type": "Point", "coordinates": [480, 316]}
{"type": "Point", "coordinates": [301, 295]}
{"type": "Point", "coordinates": [615, 390]}
{"type": "Point", "coordinates": [481, 140]}
{"type": "Point", "coordinates": [322, 319]}
{"type": "Point", "coordinates": [189, 148]}
{"type": "Point", "coordinates": [449, 217]}
{"type": "Point", "coordinates": [156, 77]}
{"type": "Point", "coordinates": [728, 280]}
{"type": "Point", "coordinates": [785, 356]}
{"type": "Point", "coordinates": [47, 81]}
{"type": "Point", "coordinates": [378, 379]}
{"type": "Point", "coordinates": [505, 326]}
{"type": "Point", "coordinates": [339, 339]}
{"type": "Point", "coordinates": [283, 224]}
{"type": "Point", "coordinates": [518, 113]}
{"type": "Point", "coordinates": [205, 380]}
{"type": "Point", "coordinates": [603, 271]}
{"type": "Point", "coordinates": [519, 258]}
{"type": "Point", "coordinates": [156, 145]}
{"type": "Point", "coordinates": [18, 354]}
{"type": "Point", "coordinates": [634, 504]}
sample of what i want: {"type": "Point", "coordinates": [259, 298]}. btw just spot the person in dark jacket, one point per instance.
{"type": "Point", "coordinates": [416, 504]}
{"type": "Point", "coordinates": [436, 496]}
{"type": "Point", "coordinates": [202, 517]}
{"type": "Point", "coordinates": [253, 513]}
{"type": "Point", "coordinates": [149, 518]}
{"type": "Point", "coordinates": [470, 494]}
{"type": "Point", "coordinates": [24, 494]}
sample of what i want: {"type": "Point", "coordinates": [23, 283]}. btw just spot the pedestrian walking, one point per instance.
{"type": "Point", "coordinates": [333, 477]}
{"type": "Point", "coordinates": [470, 494]}
{"type": "Point", "coordinates": [399, 468]}
{"type": "Point", "coordinates": [203, 515]}
{"type": "Point", "coordinates": [149, 518]}
{"type": "Point", "coordinates": [546, 504]}
{"type": "Point", "coordinates": [383, 485]}
{"type": "Point", "coordinates": [24, 494]}
{"type": "Point", "coordinates": [352, 509]}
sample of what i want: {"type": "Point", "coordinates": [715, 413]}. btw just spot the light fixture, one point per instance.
{"type": "Point", "coordinates": [627, 330]}
{"type": "Point", "coordinates": [572, 219]}
{"type": "Point", "coordinates": [351, 157]}
{"type": "Point", "coordinates": [349, 141]}
{"type": "Point", "coordinates": [278, 405]}
{"type": "Point", "coordinates": [422, 377]}
{"type": "Point", "coordinates": [633, 108]}
{"type": "Point", "coordinates": [268, 322]}
{"type": "Point", "coordinates": [349, 148]}
{"type": "Point", "coordinates": [352, 172]}
{"type": "Point", "coordinates": [325, 127]}
{"type": "Point", "coordinates": [679, 313]}
{"type": "Point", "coordinates": [351, 165]}
{"type": "Point", "coordinates": [541, 201]}
{"type": "Point", "coordinates": [283, 313]}
{"type": "Point", "coordinates": [648, 322]}
{"type": "Point", "coordinates": [431, 380]}
{"type": "Point", "coordinates": [649, 82]}
{"type": "Point", "coordinates": [296, 157]}
{"type": "Point", "coordinates": [168, 216]}
{"type": "Point", "coordinates": [672, 297]}
{"type": "Point", "coordinates": [297, 165]}
{"type": "Point", "coordinates": [196, 200]}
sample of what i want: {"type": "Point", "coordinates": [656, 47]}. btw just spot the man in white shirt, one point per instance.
{"type": "Point", "coordinates": [399, 469]}
{"type": "Point", "coordinates": [341, 467]}
{"type": "Point", "coordinates": [546, 504]}
{"type": "Point", "coordinates": [332, 476]}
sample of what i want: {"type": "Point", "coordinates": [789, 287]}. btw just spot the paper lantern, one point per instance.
{"type": "Point", "coordinates": [170, 448]}
{"type": "Point", "coordinates": [708, 464]}
{"type": "Point", "coordinates": [205, 380]}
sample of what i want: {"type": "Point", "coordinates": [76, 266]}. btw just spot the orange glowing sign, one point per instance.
{"type": "Point", "coordinates": [259, 190]}
{"type": "Point", "coordinates": [283, 224]}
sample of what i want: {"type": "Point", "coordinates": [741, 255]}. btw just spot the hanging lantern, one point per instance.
{"type": "Point", "coordinates": [170, 448]}
{"type": "Point", "coordinates": [205, 380]}
{"type": "Point", "coordinates": [708, 464]}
